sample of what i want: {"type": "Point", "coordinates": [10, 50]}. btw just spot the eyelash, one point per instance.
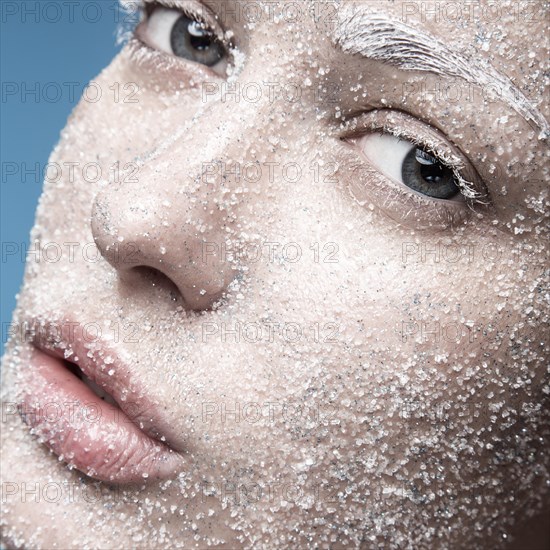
{"type": "Point", "coordinates": [147, 8]}
{"type": "Point", "coordinates": [411, 209]}
{"type": "Point", "coordinates": [467, 188]}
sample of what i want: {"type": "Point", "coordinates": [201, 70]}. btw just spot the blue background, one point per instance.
{"type": "Point", "coordinates": [44, 44]}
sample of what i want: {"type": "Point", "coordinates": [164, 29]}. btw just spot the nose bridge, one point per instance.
{"type": "Point", "coordinates": [174, 214]}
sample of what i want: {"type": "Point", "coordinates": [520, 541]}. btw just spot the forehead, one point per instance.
{"type": "Point", "coordinates": [509, 39]}
{"type": "Point", "coordinates": [509, 36]}
{"type": "Point", "coordinates": [470, 41]}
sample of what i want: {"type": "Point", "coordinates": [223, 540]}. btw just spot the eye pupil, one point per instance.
{"type": "Point", "coordinates": [434, 173]}
{"type": "Point", "coordinates": [199, 38]}
{"type": "Point", "coordinates": [424, 173]}
{"type": "Point", "coordinates": [191, 40]}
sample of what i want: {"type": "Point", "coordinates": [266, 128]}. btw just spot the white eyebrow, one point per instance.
{"type": "Point", "coordinates": [375, 36]}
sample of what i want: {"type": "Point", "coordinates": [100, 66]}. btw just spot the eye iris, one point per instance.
{"type": "Point", "coordinates": [426, 174]}
{"type": "Point", "coordinates": [191, 40]}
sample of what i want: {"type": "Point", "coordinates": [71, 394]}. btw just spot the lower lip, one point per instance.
{"type": "Point", "coordinates": [88, 433]}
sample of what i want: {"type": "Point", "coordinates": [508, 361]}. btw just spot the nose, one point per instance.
{"type": "Point", "coordinates": [170, 218]}
{"type": "Point", "coordinates": [175, 239]}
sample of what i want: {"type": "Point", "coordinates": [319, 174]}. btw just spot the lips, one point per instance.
{"type": "Point", "coordinates": [90, 412]}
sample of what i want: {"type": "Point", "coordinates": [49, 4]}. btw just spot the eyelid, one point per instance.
{"type": "Point", "coordinates": [195, 10]}
{"type": "Point", "coordinates": [173, 70]}
{"type": "Point", "coordinates": [405, 126]}
{"type": "Point", "coordinates": [373, 190]}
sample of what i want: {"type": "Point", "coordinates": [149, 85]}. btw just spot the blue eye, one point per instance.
{"type": "Point", "coordinates": [183, 35]}
{"type": "Point", "coordinates": [405, 162]}
{"type": "Point", "coordinates": [424, 173]}
{"type": "Point", "coordinates": [192, 40]}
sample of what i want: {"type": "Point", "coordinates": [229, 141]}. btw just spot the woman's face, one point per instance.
{"type": "Point", "coordinates": [311, 270]}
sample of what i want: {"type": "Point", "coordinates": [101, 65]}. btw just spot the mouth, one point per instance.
{"type": "Point", "coordinates": [87, 411]}
{"type": "Point", "coordinates": [99, 391]}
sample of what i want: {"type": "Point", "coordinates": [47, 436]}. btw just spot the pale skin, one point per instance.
{"type": "Point", "coordinates": [394, 402]}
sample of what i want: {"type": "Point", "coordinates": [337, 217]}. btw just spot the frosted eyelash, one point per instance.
{"type": "Point", "coordinates": [453, 162]}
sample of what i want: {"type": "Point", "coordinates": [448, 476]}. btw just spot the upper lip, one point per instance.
{"type": "Point", "coordinates": [104, 367]}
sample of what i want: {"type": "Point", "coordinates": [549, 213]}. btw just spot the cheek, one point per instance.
{"type": "Point", "coordinates": [435, 317]}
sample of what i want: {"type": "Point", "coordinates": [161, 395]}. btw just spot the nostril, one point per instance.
{"type": "Point", "coordinates": [144, 280]}
{"type": "Point", "coordinates": [163, 284]}
{"type": "Point", "coordinates": [158, 280]}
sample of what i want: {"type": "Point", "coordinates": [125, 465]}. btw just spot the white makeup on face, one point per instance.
{"type": "Point", "coordinates": [353, 356]}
